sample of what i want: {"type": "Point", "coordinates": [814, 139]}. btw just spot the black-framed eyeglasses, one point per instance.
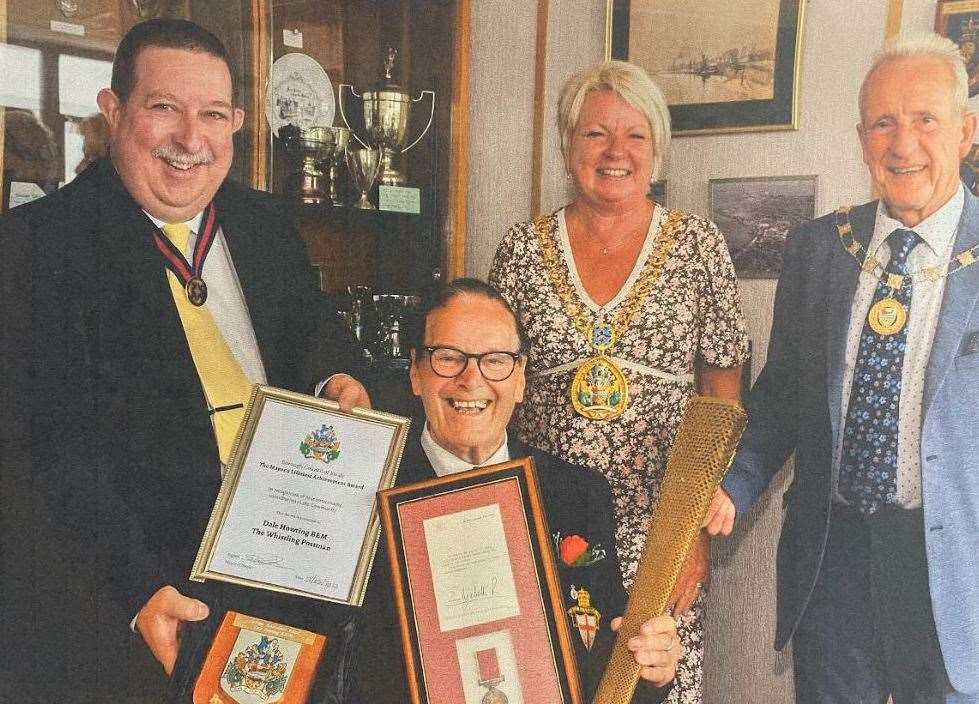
{"type": "Point", "coordinates": [448, 362]}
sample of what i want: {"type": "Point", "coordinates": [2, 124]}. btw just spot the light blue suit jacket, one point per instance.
{"type": "Point", "coordinates": [795, 407]}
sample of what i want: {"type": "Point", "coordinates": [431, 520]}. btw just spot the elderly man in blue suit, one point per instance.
{"type": "Point", "coordinates": [872, 379]}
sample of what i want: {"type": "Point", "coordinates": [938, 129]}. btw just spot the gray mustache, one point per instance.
{"type": "Point", "coordinates": [204, 156]}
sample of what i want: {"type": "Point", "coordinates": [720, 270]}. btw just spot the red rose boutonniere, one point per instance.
{"type": "Point", "coordinates": [575, 551]}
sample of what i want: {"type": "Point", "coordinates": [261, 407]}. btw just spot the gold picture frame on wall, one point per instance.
{"type": "Point", "coordinates": [739, 72]}
{"type": "Point", "coordinates": [959, 21]}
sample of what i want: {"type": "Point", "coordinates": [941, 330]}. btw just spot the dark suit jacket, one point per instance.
{"type": "Point", "coordinates": [110, 467]}
{"type": "Point", "coordinates": [795, 406]}
{"type": "Point", "coordinates": [577, 501]}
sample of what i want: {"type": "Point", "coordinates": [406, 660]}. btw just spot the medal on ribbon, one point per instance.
{"type": "Point", "coordinates": [190, 274]}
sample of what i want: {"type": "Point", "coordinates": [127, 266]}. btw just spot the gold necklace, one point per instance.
{"type": "Point", "coordinates": [599, 390]}
{"type": "Point", "coordinates": [887, 316]}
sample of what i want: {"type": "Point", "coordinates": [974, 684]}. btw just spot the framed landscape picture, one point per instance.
{"type": "Point", "coordinates": [723, 66]}
{"type": "Point", "coordinates": [755, 215]}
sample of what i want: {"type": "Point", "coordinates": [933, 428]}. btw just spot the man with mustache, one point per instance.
{"type": "Point", "coordinates": [140, 303]}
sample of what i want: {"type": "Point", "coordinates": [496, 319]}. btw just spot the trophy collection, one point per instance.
{"type": "Point", "coordinates": [386, 110]}
{"type": "Point", "coordinates": [300, 108]}
{"type": "Point", "coordinates": [378, 321]}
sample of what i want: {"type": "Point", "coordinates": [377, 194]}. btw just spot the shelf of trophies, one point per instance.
{"type": "Point", "coordinates": [359, 103]}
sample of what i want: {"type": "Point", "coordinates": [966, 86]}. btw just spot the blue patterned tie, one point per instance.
{"type": "Point", "coordinates": [868, 466]}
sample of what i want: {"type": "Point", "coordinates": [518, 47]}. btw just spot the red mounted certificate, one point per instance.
{"type": "Point", "coordinates": [477, 591]}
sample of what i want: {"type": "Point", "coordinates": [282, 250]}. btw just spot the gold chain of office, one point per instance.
{"type": "Point", "coordinates": [873, 267]}
{"type": "Point", "coordinates": [888, 316]}
{"type": "Point", "coordinates": [599, 390]}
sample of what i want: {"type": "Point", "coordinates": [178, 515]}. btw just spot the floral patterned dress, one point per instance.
{"type": "Point", "coordinates": [692, 312]}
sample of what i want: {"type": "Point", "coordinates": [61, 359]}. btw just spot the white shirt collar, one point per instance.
{"type": "Point", "coordinates": [938, 230]}
{"type": "Point", "coordinates": [194, 223]}
{"type": "Point", "coordinates": [444, 462]}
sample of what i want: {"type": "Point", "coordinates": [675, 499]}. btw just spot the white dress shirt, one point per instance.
{"type": "Point", "coordinates": [937, 232]}
{"type": "Point", "coordinates": [226, 301]}
{"type": "Point", "coordinates": [444, 462]}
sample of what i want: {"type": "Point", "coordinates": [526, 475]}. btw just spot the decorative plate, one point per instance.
{"type": "Point", "coordinates": [299, 93]}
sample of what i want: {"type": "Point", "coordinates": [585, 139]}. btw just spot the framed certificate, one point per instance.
{"type": "Point", "coordinates": [476, 590]}
{"type": "Point", "coordinates": [296, 512]}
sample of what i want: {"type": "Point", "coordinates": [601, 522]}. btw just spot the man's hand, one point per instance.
{"type": "Point", "coordinates": [656, 648]}
{"type": "Point", "coordinates": [694, 575]}
{"type": "Point", "coordinates": [346, 391]}
{"type": "Point", "coordinates": [720, 514]}
{"type": "Point", "coordinates": [159, 622]}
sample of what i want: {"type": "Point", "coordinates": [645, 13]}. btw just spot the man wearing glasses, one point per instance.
{"type": "Point", "coordinates": [468, 359]}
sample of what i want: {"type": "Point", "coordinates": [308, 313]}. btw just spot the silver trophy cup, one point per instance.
{"type": "Point", "coordinates": [315, 146]}
{"type": "Point", "coordinates": [364, 166]}
{"type": "Point", "coordinates": [386, 110]}
{"type": "Point", "coordinates": [341, 136]}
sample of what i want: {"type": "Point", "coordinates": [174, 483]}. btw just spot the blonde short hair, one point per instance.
{"type": "Point", "coordinates": [928, 45]}
{"type": "Point", "coordinates": [633, 85]}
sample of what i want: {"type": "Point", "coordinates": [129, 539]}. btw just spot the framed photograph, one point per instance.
{"type": "Point", "coordinates": [755, 215]}
{"type": "Point", "coordinates": [959, 21]}
{"type": "Point", "coordinates": [659, 193]}
{"type": "Point", "coordinates": [296, 512]}
{"type": "Point", "coordinates": [723, 66]}
{"type": "Point", "coordinates": [476, 589]}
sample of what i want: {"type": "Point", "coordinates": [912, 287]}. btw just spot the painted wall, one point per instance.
{"type": "Point", "coordinates": [839, 38]}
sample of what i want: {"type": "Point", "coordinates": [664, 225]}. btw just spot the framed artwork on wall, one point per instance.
{"type": "Point", "coordinates": [723, 66]}
{"type": "Point", "coordinates": [659, 193]}
{"type": "Point", "coordinates": [959, 21]}
{"type": "Point", "coordinates": [756, 214]}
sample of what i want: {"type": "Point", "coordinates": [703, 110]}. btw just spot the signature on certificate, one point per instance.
{"type": "Point", "coordinates": [473, 592]}
{"type": "Point", "coordinates": [265, 560]}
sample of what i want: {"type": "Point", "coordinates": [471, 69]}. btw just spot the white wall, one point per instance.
{"type": "Point", "coordinates": [501, 114]}
{"type": "Point", "coordinates": [839, 38]}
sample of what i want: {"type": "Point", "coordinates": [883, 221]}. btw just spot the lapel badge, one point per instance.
{"type": "Point", "coordinates": [575, 551]}
{"type": "Point", "coordinates": [585, 617]}
{"type": "Point", "coordinates": [970, 344]}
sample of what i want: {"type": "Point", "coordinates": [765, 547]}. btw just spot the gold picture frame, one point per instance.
{"type": "Point", "coordinates": [273, 520]}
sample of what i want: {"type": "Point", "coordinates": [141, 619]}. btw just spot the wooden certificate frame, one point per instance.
{"type": "Point", "coordinates": [476, 588]}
